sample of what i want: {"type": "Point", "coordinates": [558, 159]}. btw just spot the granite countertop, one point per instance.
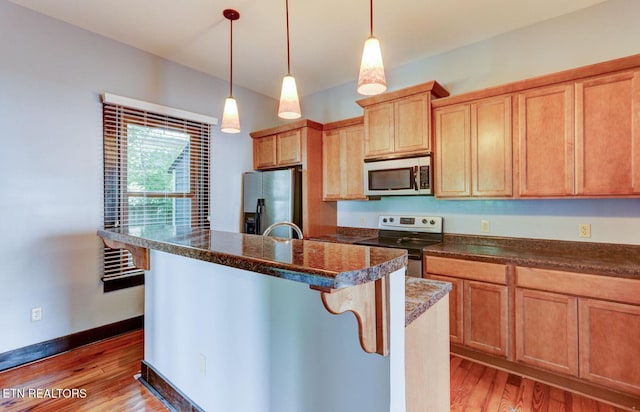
{"type": "Point", "coordinates": [420, 295]}
{"type": "Point", "coordinates": [596, 258]}
{"type": "Point", "coordinates": [319, 264]}
{"type": "Point", "coordinates": [347, 235]}
{"type": "Point", "coordinates": [340, 238]}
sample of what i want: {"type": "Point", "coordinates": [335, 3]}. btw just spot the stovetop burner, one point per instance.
{"type": "Point", "coordinates": [406, 232]}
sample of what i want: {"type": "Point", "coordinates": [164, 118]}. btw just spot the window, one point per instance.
{"type": "Point", "coordinates": [156, 172]}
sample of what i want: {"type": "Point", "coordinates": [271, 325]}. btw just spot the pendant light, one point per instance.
{"type": "Point", "coordinates": [371, 79]}
{"type": "Point", "coordinates": [289, 103]}
{"type": "Point", "coordinates": [230, 120]}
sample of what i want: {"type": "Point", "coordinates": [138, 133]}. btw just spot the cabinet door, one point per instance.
{"type": "Point", "coordinates": [411, 124]}
{"type": "Point", "coordinates": [609, 350]}
{"type": "Point", "coordinates": [486, 317]}
{"type": "Point", "coordinates": [288, 148]}
{"type": "Point", "coordinates": [378, 134]}
{"type": "Point", "coordinates": [608, 135]}
{"type": "Point", "coordinates": [545, 139]}
{"type": "Point", "coordinates": [264, 152]}
{"type": "Point", "coordinates": [547, 330]}
{"type": "Point", "coordinates": [491, 166]}
{"type": "Point", "coordinates": [455, 307]}
{"type": "Point", "coordinates": [453, 151]}
{"type": "Point", "coordinates": [352, 163]}
{"type": "Point", "coordinates": [331, 165]}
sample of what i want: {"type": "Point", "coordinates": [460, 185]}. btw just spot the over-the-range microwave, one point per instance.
{"type": "Point", "coordinates": [406, 176]}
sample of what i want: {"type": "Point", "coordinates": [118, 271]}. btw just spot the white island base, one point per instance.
{"type": "Point", "coordinates": [237, 341]}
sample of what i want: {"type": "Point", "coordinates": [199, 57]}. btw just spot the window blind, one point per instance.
{"type": "Point", "coordinates": [156, 172]}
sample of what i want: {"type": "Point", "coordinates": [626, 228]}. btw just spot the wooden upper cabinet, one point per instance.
{"type": "Point", "coordinates": [608, 134]}
{"type": "Point", "coordinates": [473, 149]}
{"type": "Point", "coordinates": [398, 123]}
{"type": "Point", "coordinates": [288, 148]}
{"type": "Point", "coordinates": [331, 165]}
{"type": "Point", "coordinates": [491, 147]}
{"type": "Point", "coordinates": [342, 160]}
{"type": "Point", "coordinates": [411, 124]}
{"type": "Point", "coordinates": [264, 153]}
{"type": "Point", "coordinates": [280, 146]}
{"type": "Point", "coordinates": [545, 141]}
{"type": "Point", "coordinates": [600, 156]}
{"type": "Point", "coordinates": [453, 151]}
{"type": "Point", "coordinates": [353, 155]}
{"type": "Point", "coordinates": [574, 133]}
{"type": "Point", "coordinates": [400, 126]}
{"type": "Point", "coordinates": [379, 132]}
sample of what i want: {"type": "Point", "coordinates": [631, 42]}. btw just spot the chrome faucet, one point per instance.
{"type": "Point", "coordinates": [275, 225]}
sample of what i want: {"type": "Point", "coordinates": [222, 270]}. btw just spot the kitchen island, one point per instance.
{"type": "Point", "coordinates": [220, 335]}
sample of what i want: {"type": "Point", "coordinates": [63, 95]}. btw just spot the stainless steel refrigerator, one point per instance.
{"type": "Point", "coordinates": [270, 197]}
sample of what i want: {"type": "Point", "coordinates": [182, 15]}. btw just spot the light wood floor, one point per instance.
{"type": "Point", "coordinates": [105, 371]}
{"type": "Point", "coordinates": [475, 387]}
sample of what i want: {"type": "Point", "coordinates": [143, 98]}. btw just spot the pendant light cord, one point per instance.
{"type": "Point", "coordinates": [370, 18]}
{"type": "Point", "coordinates": [288, 52]}
{"type": "Point", "coordinates": [230, 57]}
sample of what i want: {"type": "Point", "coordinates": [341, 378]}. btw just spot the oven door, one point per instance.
{"type": "Point", "coordinates": [414, 267]}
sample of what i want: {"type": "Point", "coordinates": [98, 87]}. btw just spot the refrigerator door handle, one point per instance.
{"type": "Point", "coordinates": [259, 210]}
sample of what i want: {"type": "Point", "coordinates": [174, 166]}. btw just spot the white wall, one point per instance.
{"type": "Point", "coordinates": [603, 32]}
{"type": "Point", "coordinates": [268, 344]}
{"type": "Point", "coordinates": [51, 75]}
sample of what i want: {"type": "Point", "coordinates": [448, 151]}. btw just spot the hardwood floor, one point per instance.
{"type": "Point", "coordinates": [475, 387]}
{"type": "Point", "coordinates": [105, 371]}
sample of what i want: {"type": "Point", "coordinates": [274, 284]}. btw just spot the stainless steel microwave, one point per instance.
{"type": "Point", "coordinates": [407, 176]}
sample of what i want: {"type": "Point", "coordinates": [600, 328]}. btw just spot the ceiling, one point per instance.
{"type": "Point", "coordinates": [326, 35]}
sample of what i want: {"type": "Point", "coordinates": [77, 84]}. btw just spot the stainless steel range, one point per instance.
{"type": "Point", "coordinates": [411, 233]}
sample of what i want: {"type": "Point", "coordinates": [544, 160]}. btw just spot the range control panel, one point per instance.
{"type": "Point", "coordinates": [430, 224]}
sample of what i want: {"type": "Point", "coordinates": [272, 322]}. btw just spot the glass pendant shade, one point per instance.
{"type": "Point", "coordinates": [289, 103]}
{"type": "Point", "coordinates": [230, 120]}
{"type": "Point", "coordinates": [371, 79]}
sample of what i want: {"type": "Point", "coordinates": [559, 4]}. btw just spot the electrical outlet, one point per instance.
{"type": "Point", "coordinates": [363, 220]}
{"type": "Point", "coordinates": [202, 365]}
{"type": "Point", "coordinates": [485, 226]}
{"type": "Point", "coordinates": [584, 230]}
{"type": "Point", "coordinates": [36, 314]}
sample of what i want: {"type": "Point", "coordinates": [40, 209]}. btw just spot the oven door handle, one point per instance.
{"type": "Point", "coordinates": [415, 178]}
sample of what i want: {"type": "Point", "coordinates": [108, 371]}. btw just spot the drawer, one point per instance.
{"type": "Point", "coordinates": [580, 284]}
{"type": "Point", "coordinates": [466, 269]}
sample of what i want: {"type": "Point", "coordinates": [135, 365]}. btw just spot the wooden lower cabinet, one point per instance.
{"type": "Point", "coordinates": [478, 302]}
{"type": "Point", "coordinates": [486, 317]}
{"type": "Point", "coordinates": [577, 331]}
{"type": "Point", "coordinates": [455, 307]}
{"type": "Point", "coordinates": [610, 344]}
{"type": "Point", "coordinates": [546, 330]}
